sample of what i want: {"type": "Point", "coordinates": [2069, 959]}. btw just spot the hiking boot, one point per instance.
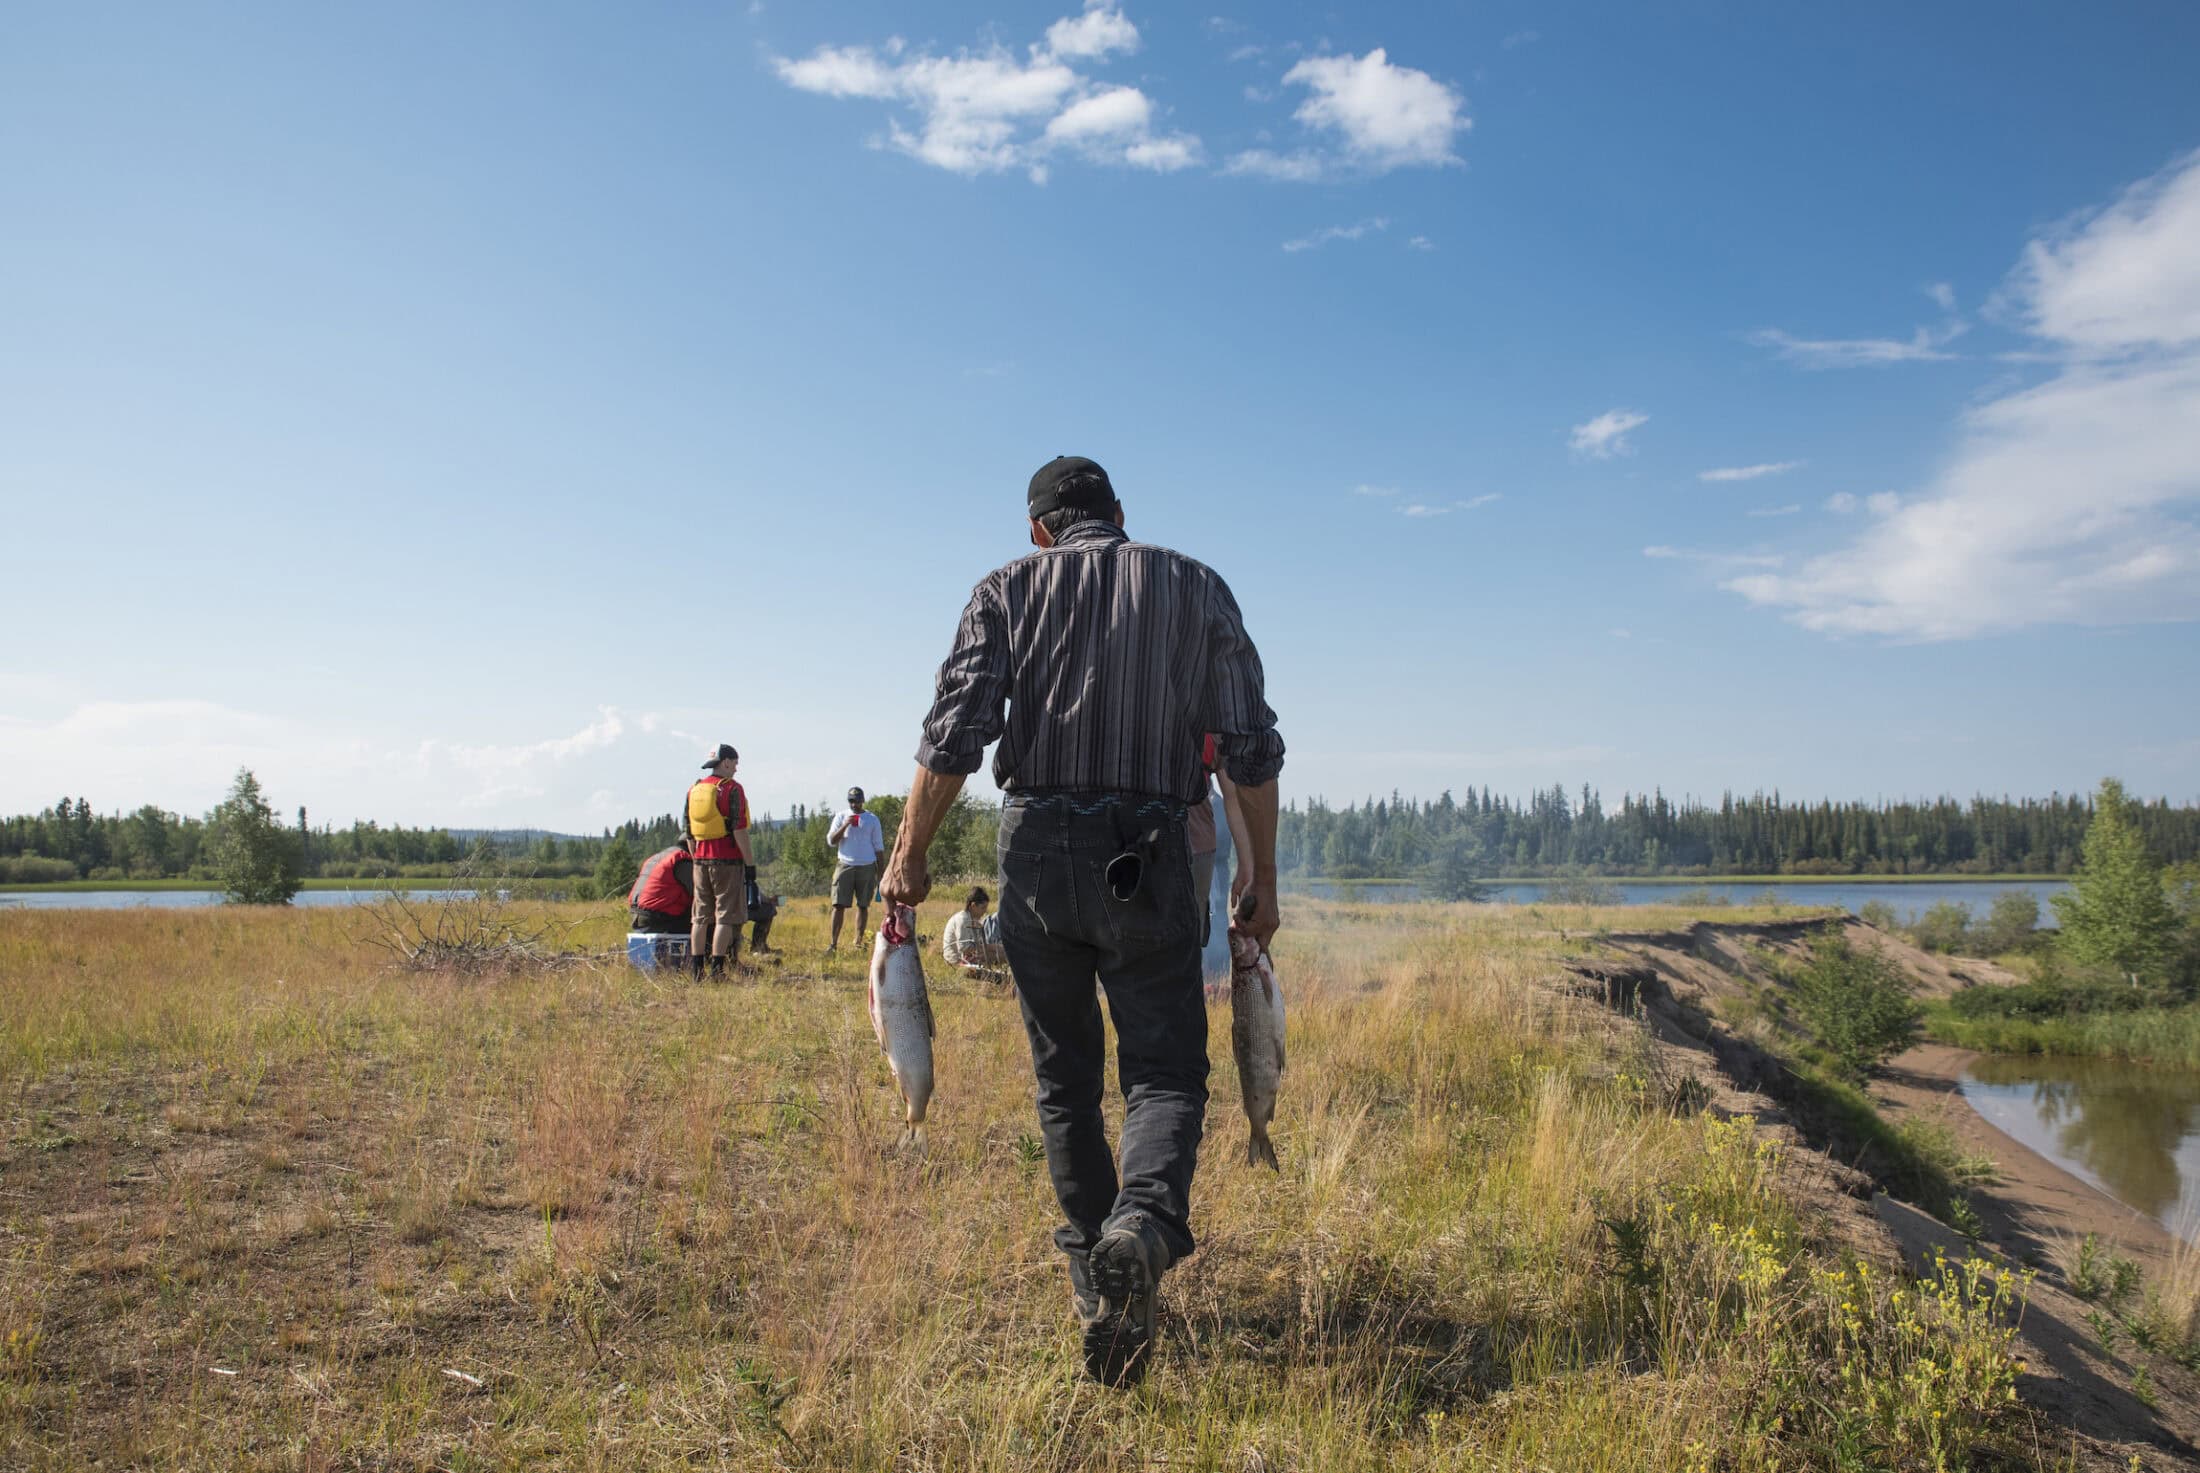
{"type": "Point", "coordinates": [1125, 1293]}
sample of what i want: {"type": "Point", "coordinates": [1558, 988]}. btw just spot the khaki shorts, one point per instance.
{"type": "Point", "coordinates": [854, 884]}
{"type": "Point", "coordinates": [721, 903]}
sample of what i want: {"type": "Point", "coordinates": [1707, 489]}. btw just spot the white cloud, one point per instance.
{"type": "Point", "coordinates": [1336, 232]}
{"type": "Point", "coordinates": [1520, 38]}
{"type": "Point", "coordinates": [1421, 243]}
{"type": "Point", "coordinates": [1387, 116]}
{"type": "Point", "coordinates": [1606, 435]}
{"type": "Point", "coordinates": [990, 110]}
{"type": "Point", "coordinates": [2075, 500]}
{"type": "Point", "coordinates": [1775, 511]}
{"type": "Point", "coordinates": [1366, 490]}
{"type": "Point", "coordinates": [1841, 503]}
{"type": "Point", "coordinates": [1621, 633]}
{"type": "Point", "coordinates": [1420, 510]}
{"type": "Point", "coordinates": [1924, 346]}
{"type": "Point", "coordinates": [2124, 279]}
{"type": "Point", "coordinates": [1101, 31]}
{"type": "Point", "coordinates": [1717, 559]}
{"type": "Point", "coordinates": [1483, 500]}
{"type": "Point", "coordinates": [1163, 155]}
{"type": "Point", "coordinates": [1297, 168]}
{"type": "Point", "coordinates": [1104, 114]}
{"type": "Point", "coordinates": [1943, 295]}
{"type": "Point", "coordinates": [1749, 472]}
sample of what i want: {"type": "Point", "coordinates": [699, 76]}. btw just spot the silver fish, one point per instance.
{"type": "Point", "coordinates": [1256, 1037]}
{"type": "Point", "coordinates": [901, 1015]}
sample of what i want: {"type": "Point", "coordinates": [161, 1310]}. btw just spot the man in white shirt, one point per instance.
{"type": "Point", "coordinates": [858, 840]}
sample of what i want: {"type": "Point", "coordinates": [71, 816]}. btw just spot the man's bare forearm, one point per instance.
{"type": "Point", "coordinates": [1256, 807]}
{"type": "Point", "coordinates": [931, 795]}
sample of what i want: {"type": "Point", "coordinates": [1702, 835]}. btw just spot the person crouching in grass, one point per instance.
{"type": "Point", "coordinates": [663, 896]}
{"type": "Point", "coordinates": [968, 942]}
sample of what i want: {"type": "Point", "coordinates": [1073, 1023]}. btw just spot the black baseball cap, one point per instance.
{"type": "Point", "coordinates": [724, 752]}
{"type": "Point", "coordinates": [1070, 480]}
{"type": "Point", "coordinates": [855, 795]}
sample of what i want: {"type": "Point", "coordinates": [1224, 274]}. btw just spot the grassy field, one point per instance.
{"type": "Point", "coordinates": [268, 1203]}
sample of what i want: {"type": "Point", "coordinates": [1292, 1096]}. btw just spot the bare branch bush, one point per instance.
{"type": "Point", "coordinates": [472, 926]}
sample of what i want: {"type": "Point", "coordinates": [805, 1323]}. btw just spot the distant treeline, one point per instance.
{"type": "Point", "coordinates": [1552, 832]}
{"type": "Point", "coordinates": [1555, 832]}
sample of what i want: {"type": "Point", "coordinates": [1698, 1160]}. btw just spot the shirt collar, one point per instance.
{"type": "Point", "coordinates": [1094, 530]}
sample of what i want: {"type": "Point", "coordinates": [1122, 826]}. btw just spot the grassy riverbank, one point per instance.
{"type": "Point", "coordinates": [269, 1203]}
{"type": "Point", "coordinates": [2163, 1036]}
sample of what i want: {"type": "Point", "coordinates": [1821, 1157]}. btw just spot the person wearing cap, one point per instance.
{"type": "Point", "coordinates": [858, 843]}
{"type": "Point", "coordinates": [1098, 664]}
{"type": "Point", "coordinates": [717, 829]}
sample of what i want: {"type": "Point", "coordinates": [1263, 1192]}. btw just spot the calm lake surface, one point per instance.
{"type": "Point", "coordinates": [175, 899]}
{"type": "Point", "coordinates": [1909, 900]}
{"type": "Point", "coordinates": [2133, 1132]}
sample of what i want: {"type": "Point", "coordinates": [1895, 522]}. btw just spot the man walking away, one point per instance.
{"type": "Point", "coordinates": [718, 830]}
{"type": "Point", "coordinates": [662, 902]}
{"type": "Point", "coordinates": [1099, 663]}
{"type": "Point", "coordinates": [858, 841]}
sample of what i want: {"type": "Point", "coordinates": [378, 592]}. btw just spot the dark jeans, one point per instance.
{"type": "Point", "coordinates": [1063, 929]}
{"type": "Point", "coordinates": [655, 923]}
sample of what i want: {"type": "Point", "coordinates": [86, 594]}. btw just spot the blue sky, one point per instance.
{"type": "Point", "coordinates": [460, 414]}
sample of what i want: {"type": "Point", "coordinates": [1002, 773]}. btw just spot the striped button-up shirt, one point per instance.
{"type": "Point", "coordinates": [1099, 664]}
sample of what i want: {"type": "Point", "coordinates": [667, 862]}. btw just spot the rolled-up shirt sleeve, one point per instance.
{"type": "Point", "coordinates": [970, 698]}
{"type": "Point", "coordinates": [1249, 746]}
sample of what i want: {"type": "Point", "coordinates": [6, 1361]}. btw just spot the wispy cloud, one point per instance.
{"type": "Point", "coordinates": [2073, 500]}
{"type": "Point", "coordinates": [1520, 38]}
{"type": "Point", "coordinates": [1421, 243]}
{"type": "Point", "coordinates": [979, 111]}
{"type": "Point", "coordinates": [1483, 500]}
{"type": "Point", "coordinates": [1419, 509]}
{"type": "Point", "coordinates": [1606, 435]}
{"type": "Point", "coordinates": [1924, 346]}
{"type": "Point", "coordinates": [1366, 490]}
{"type": "Point", "coordinates": [1943, 295]}
{"type": "Point", "coordinates": [1715, 559]}
{"type": "Point", "coordinates": [1749, 472]}
{"type": "Point", "coordinates": [1774, 511]}
{"type": "Point", "coordinates": [1370, 116]}
{"type": "Point", "coordinates": [1329, 233]}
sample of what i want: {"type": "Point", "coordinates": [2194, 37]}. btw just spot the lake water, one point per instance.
{"type": "Point", "coordinates": [175, 899]}
{"type": "Point", "coordinates": [1909, 900]}
{"type": "Point", "coordinates": [2133, 1132]}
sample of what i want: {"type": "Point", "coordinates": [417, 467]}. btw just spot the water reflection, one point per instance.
{"type": "Point", "coordinates": [2135, 1132]}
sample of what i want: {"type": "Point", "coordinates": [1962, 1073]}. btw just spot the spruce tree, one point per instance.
{"type": "Point", "coordinates": [256, 857]}
{"type": "Point", "coordinates": [2116, 913]}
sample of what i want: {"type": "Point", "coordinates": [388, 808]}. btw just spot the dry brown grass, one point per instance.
{"type": "Point", "coordinates": [261, 1195]}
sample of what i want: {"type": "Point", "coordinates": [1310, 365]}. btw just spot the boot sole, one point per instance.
{"type": "Point", "coordinates": [1118, 1345]}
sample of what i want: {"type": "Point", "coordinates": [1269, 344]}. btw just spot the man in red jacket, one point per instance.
{"type": "Point", "coordinates": [663, 897]}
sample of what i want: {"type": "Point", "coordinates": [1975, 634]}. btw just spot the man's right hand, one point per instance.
{"type": "Point", "coordinates": [907, 879]}
{"type": "Point", "coordinates": [1263, 923]}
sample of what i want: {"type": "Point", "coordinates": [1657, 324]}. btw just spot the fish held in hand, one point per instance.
{"type": "Point", "coordinates": [901, 1016]}
{"type": "Point", "coordinates": [1256, 1037]}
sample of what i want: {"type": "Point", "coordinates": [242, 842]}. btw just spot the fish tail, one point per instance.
{"type": "Point", "coordinates": [1261, 1151]}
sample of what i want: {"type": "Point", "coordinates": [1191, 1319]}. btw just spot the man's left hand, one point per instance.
{"type": "Point", "coordinates": [907, 881]}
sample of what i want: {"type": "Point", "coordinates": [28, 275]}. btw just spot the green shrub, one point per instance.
{"type": "Point", "coordinates": [1945, 927]}
{"type": "Point", "coordinates": [1879, 916]}
{"type": "Point", "coordinates": [1857, 1003]}
{"type": "Point", "coordinates": [35, 869]}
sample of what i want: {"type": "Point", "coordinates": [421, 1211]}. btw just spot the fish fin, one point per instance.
{"type": "Point", "coordinates": [1261, 1151]}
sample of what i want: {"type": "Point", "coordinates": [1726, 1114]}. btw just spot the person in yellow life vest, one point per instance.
{"type": "Point", "coordinates": [717, 828]}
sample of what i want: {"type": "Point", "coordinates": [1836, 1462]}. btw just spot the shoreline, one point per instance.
{"type": "Point", "coordinates": [2033, 1205]}
{"type": "Point", "coordinates": [1693, 881]}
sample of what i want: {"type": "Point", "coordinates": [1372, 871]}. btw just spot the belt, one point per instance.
{"type": "Point", "coordinates": [1087, 805]}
